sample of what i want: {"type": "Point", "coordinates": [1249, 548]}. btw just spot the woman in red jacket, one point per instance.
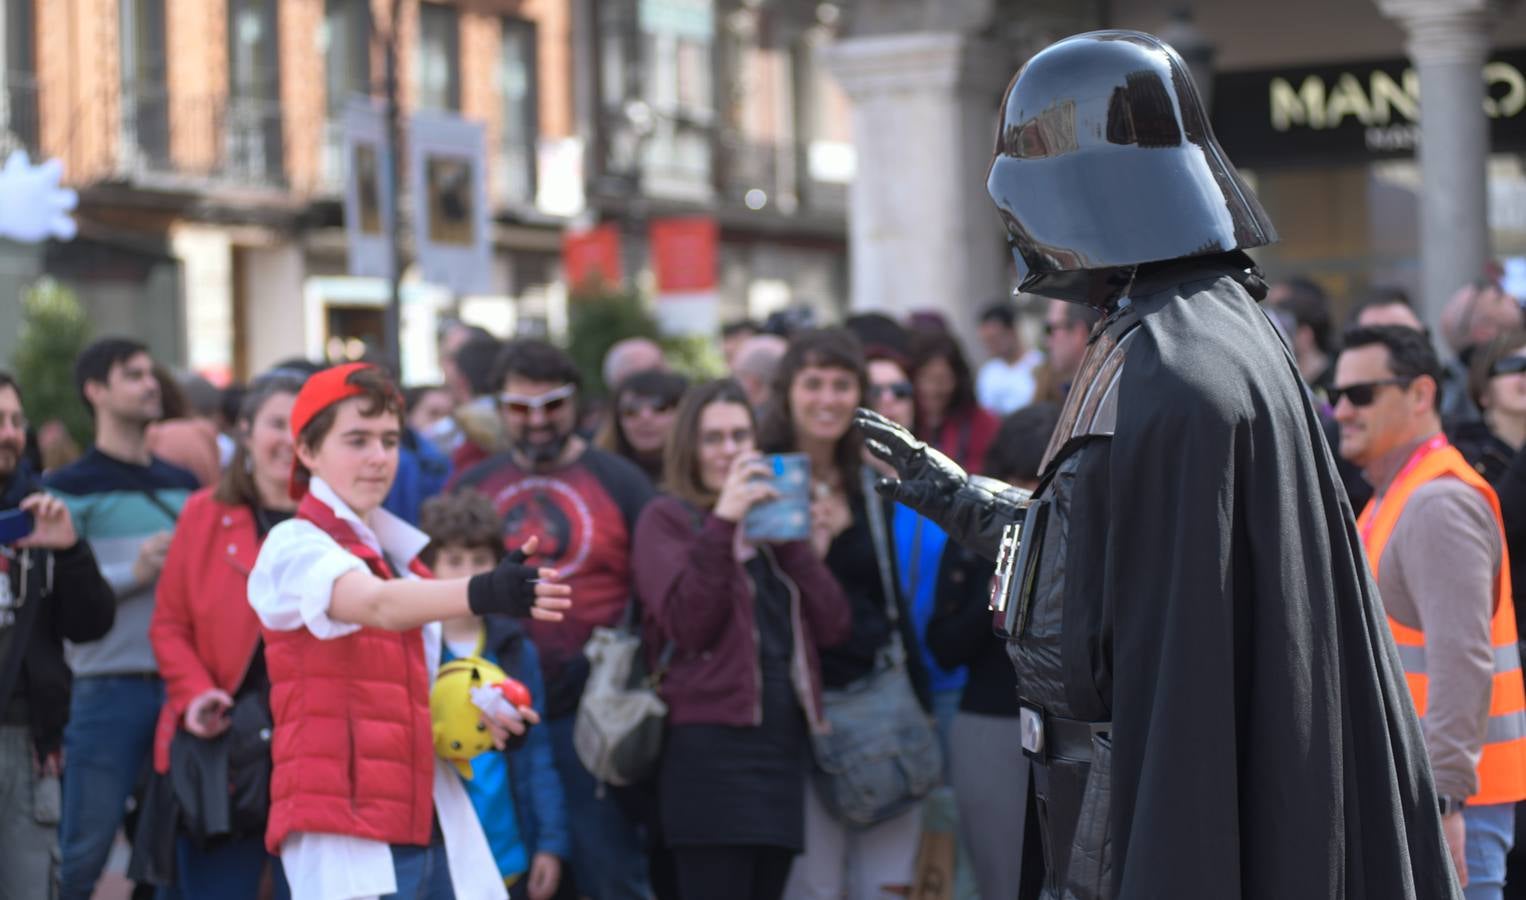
{"type": "Point", "coordinates": [205, 636]}
{"type": "Point", "coordinates": [744, 682]}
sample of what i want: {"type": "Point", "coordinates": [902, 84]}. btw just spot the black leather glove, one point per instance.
{"type": "Point", "coordinates": [972, 509]}
{"type": "Point", "coordinates": [507, 590]}
{"type": "Point", "coordinates": [927, 477]}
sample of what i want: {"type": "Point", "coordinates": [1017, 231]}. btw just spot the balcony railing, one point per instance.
{"type": "Point", "coordinates": [767, 175]}
{"type": "Point", "coordinates": [226, 140]}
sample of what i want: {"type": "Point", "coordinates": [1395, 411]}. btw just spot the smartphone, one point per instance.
{"type": "Point", "coordinates": [788, 517]}
{"type": "Point", "coordinates": [15, 525]}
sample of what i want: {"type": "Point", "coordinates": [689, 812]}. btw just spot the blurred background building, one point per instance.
{"type": "Point", "coordinates": [839, 149]}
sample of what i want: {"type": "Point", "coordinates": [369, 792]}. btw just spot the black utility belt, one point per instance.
{"type": "Point", "coordinates": [1047, 737]}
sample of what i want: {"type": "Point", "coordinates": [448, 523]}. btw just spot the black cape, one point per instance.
{"type": "Point", "coordinates": [1265, 744]}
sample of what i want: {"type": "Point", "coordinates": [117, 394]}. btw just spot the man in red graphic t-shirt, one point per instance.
{"type": "Point", "coordinates": [582, 504]}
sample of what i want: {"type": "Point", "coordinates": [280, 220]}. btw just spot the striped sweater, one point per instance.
{"type": "Point", "coordinates": [110, 503]}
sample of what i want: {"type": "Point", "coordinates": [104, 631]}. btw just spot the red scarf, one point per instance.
{"type": "Point", "coordinates": [317, 512]}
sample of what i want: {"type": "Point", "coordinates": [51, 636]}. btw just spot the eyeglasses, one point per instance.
{"type": "Point", "coordinates": [635, 406]}
{"type": "Point", "coordinates": [550, 401]}
{"type": "Point", "coordinates": [900, 390]}
{"type": "Point", "coordinates": [1510, 365]}
{"type": "Point", "coordinates": [1363, 394]}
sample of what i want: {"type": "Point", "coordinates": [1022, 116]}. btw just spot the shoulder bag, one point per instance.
{"type": "Point", "coordinates": [881, 755]}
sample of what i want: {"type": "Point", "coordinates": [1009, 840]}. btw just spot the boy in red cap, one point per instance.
{"type": "Point", "coordinates": [360, 805]}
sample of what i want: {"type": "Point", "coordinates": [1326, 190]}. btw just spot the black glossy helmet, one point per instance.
{"type": "Point", "coordinates": [1105, 161]}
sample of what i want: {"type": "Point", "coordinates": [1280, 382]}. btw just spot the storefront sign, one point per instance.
{"type": "Point", "coordinates": [1350, 112]}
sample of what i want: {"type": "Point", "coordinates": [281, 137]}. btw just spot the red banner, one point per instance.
{"type": "Point", "coordinates": [593, 256]}
{"type": "Point", "coordinates": [684, 254]}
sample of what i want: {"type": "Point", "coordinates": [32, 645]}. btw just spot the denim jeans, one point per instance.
{"type": "Point", "coordinates": [1490, 832]}
{"type": "Point", "coordinates": [106, 749]}
{"type": "Point", "coordinates": [422, 872]}
{"type": "Point", "coordinates": [608, 855]}
{"type": "Point", "coordinates": [231, 870]}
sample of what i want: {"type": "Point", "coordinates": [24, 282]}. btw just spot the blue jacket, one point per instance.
{"type": "Point", "coordinates": [538, 798]}
{"type": "Point", "coordinates": [919, 550]}
{"type": "Point", "coordinates": [422, 472]}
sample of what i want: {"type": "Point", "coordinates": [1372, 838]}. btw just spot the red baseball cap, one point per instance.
{"type": "Point", "coordinates": [320, 391]}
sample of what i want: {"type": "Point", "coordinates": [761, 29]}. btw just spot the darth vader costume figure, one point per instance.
{"type": "Point", "coordinates": [1210, 694]}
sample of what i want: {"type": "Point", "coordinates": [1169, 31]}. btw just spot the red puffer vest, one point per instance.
{"type": "Point", "coordinates": [352, 749]}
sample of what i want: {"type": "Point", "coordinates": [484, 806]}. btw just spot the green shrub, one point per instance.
{"type": "Point", "coordinates": [596, 319]}
{"type": "Point", "coordinates": [54, 329]}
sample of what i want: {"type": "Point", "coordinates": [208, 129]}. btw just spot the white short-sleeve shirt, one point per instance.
{"type": "Point", "coordinates": [1002, 387]}
{"type": "Point", "coordinates": [289, 588]}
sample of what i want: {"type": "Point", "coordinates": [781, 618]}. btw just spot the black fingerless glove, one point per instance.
{"type": "Point", "coordinates": [508, 590]}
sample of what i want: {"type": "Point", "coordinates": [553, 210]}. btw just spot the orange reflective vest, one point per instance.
{"type": "Point", "coordinates": [1502, 767]}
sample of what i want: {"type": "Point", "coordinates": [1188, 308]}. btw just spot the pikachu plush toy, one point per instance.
{"type": "Point", "coordinates": [463, 691]}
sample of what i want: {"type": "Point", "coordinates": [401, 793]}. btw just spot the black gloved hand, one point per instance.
{"type": "Point", "coordinates": [972, 509]}
{"type": "Point", "coordinates": [507, 590]}
{"type": "Point", "coordinates": [928, 479]}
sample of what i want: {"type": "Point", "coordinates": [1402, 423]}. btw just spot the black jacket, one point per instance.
{"type": "Point", "coordinates": [959, 633]}
{"type": "Point", "coordinates": [77, 605]}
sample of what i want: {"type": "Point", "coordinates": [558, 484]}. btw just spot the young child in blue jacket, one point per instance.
{"type": "Point", "coordinates": [517, 793]}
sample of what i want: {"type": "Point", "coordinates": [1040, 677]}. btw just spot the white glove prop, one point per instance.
{"type": "Point", "coordinates": [493, 703]}
{"type": "Point", "coordinates": [32, 205]}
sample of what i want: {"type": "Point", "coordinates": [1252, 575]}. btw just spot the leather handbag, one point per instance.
{"type": "Point", "coordinates": [620, 720]}
{"type": "Point", "coordinates": [881, 755]}
{"type": "Point", "coordinates": [222, 786]}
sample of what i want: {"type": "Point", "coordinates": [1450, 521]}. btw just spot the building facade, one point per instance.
{"type": "Point", "coordinates": [205, 140]}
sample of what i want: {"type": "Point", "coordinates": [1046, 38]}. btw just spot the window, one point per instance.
{"type": "Point", "coordinates": [671, 43]}
{"type": "Point", "coordinates": [145, 99]}
{"type": "Point", "coordinates": [437, 76]}
{"type": "Point", "coordinates": [517, 93]}
{"type": "Point", "coordinates": [18, 79]}
{"type": "Point", "coordinates": [346, 45]}
{"type": "Point", "coordinates": [252, 117]}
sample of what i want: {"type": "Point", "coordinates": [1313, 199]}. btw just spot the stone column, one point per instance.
{"type": "Point", "coordinates": [1448, 42]}
{"type": "Point", "coordinates": [922, 232]}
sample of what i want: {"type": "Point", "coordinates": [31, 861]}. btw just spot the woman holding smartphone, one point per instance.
{"type": "Point", "coordinates": [206, 638]}
{"type": "Point", "coordinates": [360, 805]}
{"type": "Point", "coordinates": [819, 382]}
{"type": "Point", "coordinates": [744, 622]}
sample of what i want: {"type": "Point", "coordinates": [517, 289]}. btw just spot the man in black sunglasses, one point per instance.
{"type": "Point", "coordinates": [1209, 695]}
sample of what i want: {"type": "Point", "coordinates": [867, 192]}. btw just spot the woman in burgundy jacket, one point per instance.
{"type": "Point", "coordinates": [743, 684]}
{"type": "Point", "coordinates": [204, 634]}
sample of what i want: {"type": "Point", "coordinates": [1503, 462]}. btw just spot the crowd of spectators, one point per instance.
{"type": "Point", "coordinates": [255, 587]}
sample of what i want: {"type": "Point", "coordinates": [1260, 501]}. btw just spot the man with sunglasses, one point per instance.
{"type": "Point", "coordinates": [1066, 329]}
{"type": "Point", "coordinates": [581, 503]}
{"type": "Point", "coordinates": [1435, 540]}
{"type": "Point", "coordinates": [1207, 692]}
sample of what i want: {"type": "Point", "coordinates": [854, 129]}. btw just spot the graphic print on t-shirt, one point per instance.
{"type": "Point", "coordinates": [582, 514]}
{"type": "Point", "coordinates": [551, 509]}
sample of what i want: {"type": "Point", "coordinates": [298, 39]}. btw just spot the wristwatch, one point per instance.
{"type": "Point", "coordinates": [1449, 805]}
